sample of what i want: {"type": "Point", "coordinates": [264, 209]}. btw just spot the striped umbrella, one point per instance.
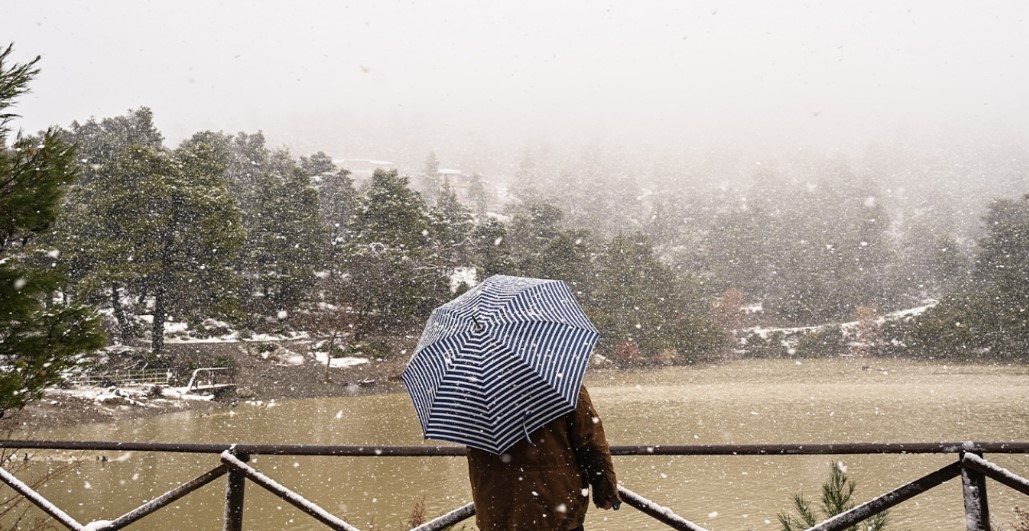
{"type": "Point", "coordinates": [499, 361]}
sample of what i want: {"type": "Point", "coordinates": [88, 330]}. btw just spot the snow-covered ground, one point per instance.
{"type": "Point", "coordinates": [338, 363]}
{"type": "Point", "coordinates": [127, 395]}
{"type": "Point", "coordinates": [765, 332]}
{"type": "Point", "coordinates": [179, 332]}
{"type": "Point", "coordinates": [277, 350]}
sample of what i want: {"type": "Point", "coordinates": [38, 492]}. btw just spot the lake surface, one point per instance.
{"type": "Point", "coordinates": [773, 401]}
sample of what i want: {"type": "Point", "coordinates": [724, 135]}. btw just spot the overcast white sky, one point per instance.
{"type": "Point", "coordinates": [391, 80]}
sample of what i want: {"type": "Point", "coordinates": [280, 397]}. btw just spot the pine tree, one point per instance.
{"type": "Point", "coordinates": [317, 166]}
{"type": "Point", "coordinates": [161, 226]}
{"type": "Point", "coordinates": [430, 180]}
{"type": "Point", "coordinates": [491, 251]}
{"type": "Point", "coordinates": [930, 262]}
{"type": "Point", "coordinates": [389, 283]}
{"type": "Point", "coordinates": [987, 317]}
{"type": "Point", "coordinates": [431, 165]}
{"type": "Point", "coordinates": [391, 213]}
{"type": "Point", "coordinates": [40, 338]}
{"type": "Point", "coordinates": [450, 228]}
{"type": "Point", "coordinates": [819, 257]}
{"type": "Point", "coordinates": [641, 301]}
{"type": "Point", "coordinates": [534, 225]}
{"type": "Point", "coordinates": [837, 498]}
{"type": "Point", "coordinates": [203, 282]}
{"type": "Point", "coordinates": [337, 201]}
{"type": "Point", "coordinates": [477, 195]}
{"type": "Point", "coordinates": [285, 239]}
{"type": "Point", "coordinates": [542, 248]}
{"type": "Point", "coordinates": [249, 163]}
{"type": "Point", "coordinates": [99, 143]}
{"type": "Point", "coordinates": [742, 251]}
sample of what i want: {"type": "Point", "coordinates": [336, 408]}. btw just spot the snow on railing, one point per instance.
{"type": "Point", "coordinates": [124, 377]}
{"type": "Point", "coordinates": [208, 372]}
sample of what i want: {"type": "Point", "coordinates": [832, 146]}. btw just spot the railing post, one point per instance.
{"type": "Point", "coordinates": [977, 510]}
{"type": "Point", "coordinates": [234, 497]}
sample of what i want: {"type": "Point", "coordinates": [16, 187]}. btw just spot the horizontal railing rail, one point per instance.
{"type": "Point", "coordinates": [971, 466]}
{"type": "Point", "coordinates": [123, 377]}
{"type": "Point", "coordinates": [459, 451]}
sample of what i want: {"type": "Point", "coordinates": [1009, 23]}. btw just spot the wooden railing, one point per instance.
{"type": "Point", "coordinates": [122, 377]}
{"type": "Point", "coordinates": [970, 465]}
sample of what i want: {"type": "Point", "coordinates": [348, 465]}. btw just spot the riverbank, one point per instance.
{"type": "Point", "coordinates": [262, 372]}
{"type": "Point", "coordinates": [269, 371]}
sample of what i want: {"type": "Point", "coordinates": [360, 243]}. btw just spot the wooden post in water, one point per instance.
{"type": "Point", "coordinates": [234, 492]}
{"type": "Point", "coordinates": [977, 510]}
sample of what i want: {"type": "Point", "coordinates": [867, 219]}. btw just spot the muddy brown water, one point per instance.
{"type": "Point", "coordinates": [780, 401]}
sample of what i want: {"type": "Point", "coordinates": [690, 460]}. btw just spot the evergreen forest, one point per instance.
{"type": "Point", "coordinates": [108, 233]}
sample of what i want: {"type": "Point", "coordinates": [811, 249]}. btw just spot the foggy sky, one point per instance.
{"type": "Point", "coordinates": [479, 81]}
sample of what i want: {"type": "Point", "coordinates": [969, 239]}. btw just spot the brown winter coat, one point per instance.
{"type": "Point", "coordinates": [543, 485]}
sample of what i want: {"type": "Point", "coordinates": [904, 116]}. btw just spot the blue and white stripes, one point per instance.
{"type": "Point", "coordinates": [499, 361]}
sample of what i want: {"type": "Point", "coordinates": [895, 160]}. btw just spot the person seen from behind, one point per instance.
{"type": "Point", "coordinates": [543, 483]}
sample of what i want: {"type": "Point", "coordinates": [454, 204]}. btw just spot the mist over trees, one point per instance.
{"type": "Point", "coordinates": [988, 314]}
{"type": "Point", "coordinates": [675, 262]}
{"type": "Point", "coordinates": [225, 227]}
{"type": "Point", "coordinates": [810, 240]}
{"type": "Point", "coordinates": [244, 232]}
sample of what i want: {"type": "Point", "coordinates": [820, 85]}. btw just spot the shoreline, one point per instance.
{"type": "Point", "coordinates": [259, 379]}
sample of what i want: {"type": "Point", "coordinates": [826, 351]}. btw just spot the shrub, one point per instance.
{"type": "Point", "coordinates": [263, 348]}
{"type": "Point", "coordinates": [372, 348]}
{"type": "Point", "coordinates": [210, 328]}
{"type": "Point", "coordinates": [761, 347]}
{"type": "Point", "coordinates": [627, 353]}
{"type": "Point", "coordinates": [418, 514]}
{"type": "Point", "coordinates": [837, 498]}
{"type": "Point", "coordinates": [822, 343]}
{"type": "Point", "coordinates": [227, 362]}
{"type": "Point", "coordinates": [338, 351]}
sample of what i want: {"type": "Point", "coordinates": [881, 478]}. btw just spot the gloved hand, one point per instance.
{"type": "Point", "coordinates": [611, 503]}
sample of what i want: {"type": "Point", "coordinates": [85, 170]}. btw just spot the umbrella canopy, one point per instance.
{"type": "Point", "coordinates": [500, 361]}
